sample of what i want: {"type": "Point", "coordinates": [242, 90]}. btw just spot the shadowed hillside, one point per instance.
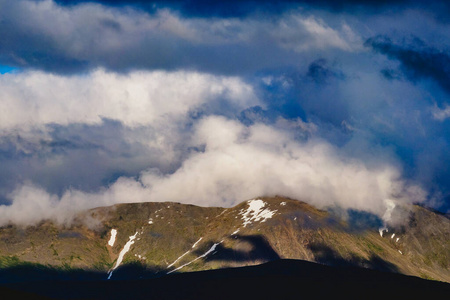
{"type": "Point", "coordinates": [280, 279]}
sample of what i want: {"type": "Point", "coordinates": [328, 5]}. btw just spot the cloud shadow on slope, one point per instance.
{"type": "Point", "coordinates": [324, 254]}
{"type": "Point", "coordinates": [255, 248]}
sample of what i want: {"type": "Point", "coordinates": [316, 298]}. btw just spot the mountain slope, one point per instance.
{"type": "Point", "coordinates": [154, 239]}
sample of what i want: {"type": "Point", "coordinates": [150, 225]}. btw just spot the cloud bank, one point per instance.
{"type": "Point", "coordinates": [89, 35]}
{"type": "Point", "coordinates": [237, 162]}
{"type": "Point", "coordinates": [56, 129]}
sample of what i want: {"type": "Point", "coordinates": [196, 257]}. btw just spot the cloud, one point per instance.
{"type": "Point", "coordinates": [320, 72]}
{"type": "Point", "coordinates": [243, 8]}
{"type": "Point", "coordinates": [237, 163]}
{"type": "Point", "coordinates": [300, 34]}
{"type": "Point", "coordinates": [352, 105]}
{"type": "Point", "coordinates": [86, 157]}
{"type": "Point", "coordinates": [89, 35]}
{"type": "Point", "coordinates": [84, 131]}
{"type": "Point", "coordinates": [441, 114]}
{"type": "Point", "coordinates": [135, 99]}
{"type": "Point", "coordinates": [261, 160]}
{"type": "Point", "coordinates": [417, 60]}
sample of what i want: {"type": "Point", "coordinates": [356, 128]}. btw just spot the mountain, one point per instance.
{"type": "Point", "coordinates": [148, 240]}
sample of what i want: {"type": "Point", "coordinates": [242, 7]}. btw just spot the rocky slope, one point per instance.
{"type": "Point", "coordinates": [147, 239]}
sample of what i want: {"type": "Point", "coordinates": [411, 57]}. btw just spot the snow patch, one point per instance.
{"type": "Point", "coordinates": [235, 232]}
{"type": "Point", "coordinates": [212, 249]}
{"type": "Point", "coordinates": [397, 240]}
{"type": "Point", "coordinates": [112, 239]}
{"type": "Point", "coordinates": [283, 203]}
{"type": "Point", "coordinates": [255, 212]}
{"type": "Point", "coordinates": [176, 260]}
{"type": "Point", "coordinates": [392, 236]}
{"type": "Point", "coordinates": [125, 249]}
{"type": "Point", "coordinates": [150, 221]}
{"type": "Point", "coordinates": [195, 244]}
{"type": "Point", "coordinates": [221, 213]}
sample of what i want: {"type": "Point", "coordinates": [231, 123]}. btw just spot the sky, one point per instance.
{"type": "Point", "coordinates": [213, 103]}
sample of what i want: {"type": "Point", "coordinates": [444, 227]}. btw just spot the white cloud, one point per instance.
{"type": "Point", "coordinates": [50, 124]}
{"type": "Point", "coordinates": [300, 33]}
{"type": "Point", "coordinates": [239, 163]}
{"type": "Point", "coordinates": [263, 161]}
{"type": "Point", "coordinates": [293, 31]}
{"type": "Point", "coordinates": [136, 99]}
{"type": "Point", "coordinates": [30, 205]}
{"type": "Point", "coordinates": [441, 114]}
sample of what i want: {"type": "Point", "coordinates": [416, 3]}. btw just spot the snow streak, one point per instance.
{"type": "Point", "coordinates": [125, 249]}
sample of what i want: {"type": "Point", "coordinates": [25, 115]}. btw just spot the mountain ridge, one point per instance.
{"type": "Point", "coordinates": [169, 237]}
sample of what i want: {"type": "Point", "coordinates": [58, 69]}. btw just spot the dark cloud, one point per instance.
{"type": "Point", "coordinates": [418, 61]}
{"type": "Point", "coordinates": [202, 8]}
{"type": "Point", "coordinates": [320, 71]}
{"type": "Point", "coordinates": [391, 74]}
{"type": "Point", "coordinates": [242, 8]}
{"type": "Point", "coordinates": [84, 37]}
{"type": "Point", "coordinates": [79, 156]}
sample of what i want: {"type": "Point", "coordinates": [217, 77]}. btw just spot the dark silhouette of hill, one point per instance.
{"type": "Point", "coordinates": [7, 293]}
{"type": "Point", "coordinates": [279, 279]}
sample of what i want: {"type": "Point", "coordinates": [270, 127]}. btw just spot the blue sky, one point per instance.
{"type": "Point", "coordinates": [212, 103]}
{"type": "Point", "coordinates": [6, 69]}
